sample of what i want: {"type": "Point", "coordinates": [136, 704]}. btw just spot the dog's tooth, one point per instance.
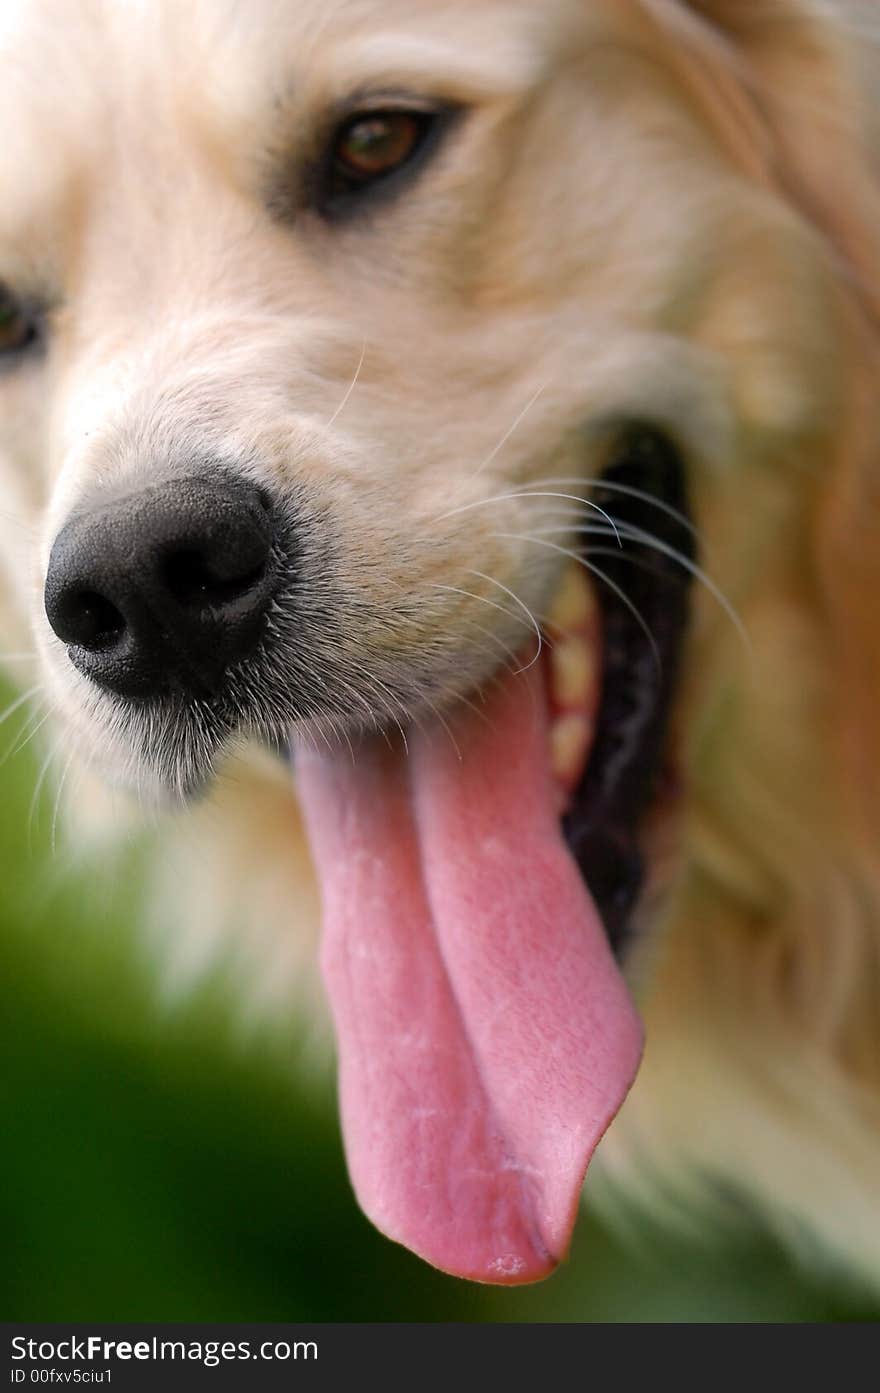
{"type": "Point", "coordinates": [574, 604]}
{"type": "Point", "coordinates": [569, 738]}
{"type": "Point", "coordinates": [572, 672]}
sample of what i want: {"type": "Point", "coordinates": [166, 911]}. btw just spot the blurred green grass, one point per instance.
{"type": "Point", "coordinates": [157, 1168]}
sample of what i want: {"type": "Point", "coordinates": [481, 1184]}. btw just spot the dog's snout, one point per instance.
{"type": "Point", "coordinates": [164, 589]}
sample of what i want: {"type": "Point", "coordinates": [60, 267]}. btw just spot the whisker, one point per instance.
{"type": "Point", "coordinates": [339, 732]}
{"type": "Point", "coordinates": [493, 604]}
{"type": "Point", "coordinates": [529, 493]}
{"type": "Point", "coordinates": [58, 795]}
{"type": "Point", "coordinates": [380, 688]}
{"type": "Point", "coordinates": [509, 432]}
{"type": "Point", "coordinates": [510, 654]}
{"type": "Point", "coordinates": [439, 716]}
{"type": "Point", "coordinates": [629, 491]}
{"type": "Point", "coordinates": [351, 386]}
{"type": "Point", "coordinates": [38, 787]}
{"type": "Point", "coordinates": [626, 559]}
{"type": "Point", "coordinates": [20, 701]}
{"type": "Point", "coordinates": [606, 579]}
{"type": "Point", "coordinates": [505, 648]}
{"type": "Point", "coordinates": [636, 534]}
{"type": "Point", "coordinates": [32, 728]}
{"type": "Point", "coordinates": [524, 607]}
{"type": "Point", "coordinates": [351, 690]}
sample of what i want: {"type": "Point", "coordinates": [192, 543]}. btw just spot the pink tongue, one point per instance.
{"type": "Point", "coordinates": [486, 1038]}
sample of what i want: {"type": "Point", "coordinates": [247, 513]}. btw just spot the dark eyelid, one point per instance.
{"type": "Point", "coordinates": [292, 192]}
{"type": "Point", "coordinates": [34, 311]}
{"type": "Point", "coordinates": [339, 206]}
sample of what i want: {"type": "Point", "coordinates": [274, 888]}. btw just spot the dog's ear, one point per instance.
{"type": "Point", "coordinates": [805, 69]}
{"type": "Point", "coordinates": [788, 84]}
{"type": "Point", "coordinates": [762, 1071]}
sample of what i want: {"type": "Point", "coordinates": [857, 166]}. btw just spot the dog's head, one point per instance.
{"type": "Point", "coordinates": [331, 334]}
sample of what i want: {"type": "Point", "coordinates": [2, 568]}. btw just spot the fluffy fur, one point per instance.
{"type": "Point", "coordinates": [654, 209]}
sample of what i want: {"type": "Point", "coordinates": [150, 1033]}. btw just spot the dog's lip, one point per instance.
{"type": "Point", "coordinates": [643, 598]}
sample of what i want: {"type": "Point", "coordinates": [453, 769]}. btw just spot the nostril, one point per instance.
{"type": "Point", "coordinates": [88, 619]}
{"type": "Point", "coordinates": [197, 582]}
{"type": "Point", "coordinates": [167, 589]}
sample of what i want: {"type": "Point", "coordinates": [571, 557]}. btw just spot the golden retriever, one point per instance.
{"type": "Point", "coordinates": [479, 397]}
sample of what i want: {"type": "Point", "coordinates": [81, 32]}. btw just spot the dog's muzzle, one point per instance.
{"type": "Point", "coordinates": [164, 590]}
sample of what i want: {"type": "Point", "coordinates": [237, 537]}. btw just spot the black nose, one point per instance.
{"type": "Point", "coordinates": [164, 589]}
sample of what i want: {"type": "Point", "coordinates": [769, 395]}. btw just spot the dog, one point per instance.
{"type": "Point", "coordinates": [441, 482]}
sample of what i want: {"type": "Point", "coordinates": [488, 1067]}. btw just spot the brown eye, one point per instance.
{"type": "Point", "coordinates": [17, 325]}
{"type": "Point", "coordinates": [375, 151]}
{"type": "Point", "coordinates": [373, 145]}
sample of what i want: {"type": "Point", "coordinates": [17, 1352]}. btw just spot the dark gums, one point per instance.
{"type": "Point", "coordinates": [622, 775]}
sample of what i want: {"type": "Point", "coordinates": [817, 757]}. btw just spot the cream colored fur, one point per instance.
{"type": "Point", "coordinates": [654, 209]}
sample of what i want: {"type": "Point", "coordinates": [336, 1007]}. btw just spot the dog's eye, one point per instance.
{"type": "Point", "coordinates": [18, 327]}
{"type": "Point", "coordinates": [370, 146]}
{"type": "Point", "coordinates": [373, 148]}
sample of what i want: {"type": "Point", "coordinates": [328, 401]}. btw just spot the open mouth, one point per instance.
{"type": "Point", "coordinates": [642, 594]}
{"type": "Point", "coordinates": [486, 1038]}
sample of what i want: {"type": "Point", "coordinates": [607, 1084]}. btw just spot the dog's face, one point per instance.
{"type": "Point", "coordinates": [233, 277]}
{"type": "Point", "coordinates": [330, 333]}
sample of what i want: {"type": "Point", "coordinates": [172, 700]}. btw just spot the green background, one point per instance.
{"type": "Point", "coordinates": [156, 1167]}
